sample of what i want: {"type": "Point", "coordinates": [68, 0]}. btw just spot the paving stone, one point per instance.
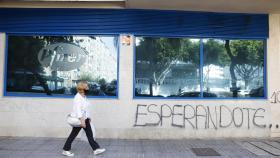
{"type": "Point", "coordinates": [205, 152]}
{"type": "Point", "coordinates": [253, 149]}
{"type": "Point", "coordinates": [274, 144]}
{"type": "Point", "coordinates": [266, 147]}
{"type": "Point", "coordinates": [17, 147]}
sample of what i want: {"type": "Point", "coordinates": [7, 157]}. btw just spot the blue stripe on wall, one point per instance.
{"type": "Point", "coordinates": [138, 22]}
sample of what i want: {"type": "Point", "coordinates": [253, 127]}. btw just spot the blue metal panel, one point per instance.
{"type": "Point", "coordinates": [134, 66]}
{"type": "Point", "coordinates": [265, 70]}
{"type": "Point", "coordinates": [5, 67]}
{"type": "Point", "coordinates": [138, 22]}
{"type": "Point", "coordinates": [201, 67]}
{"type": "Point", "coordinates": [42, 95]}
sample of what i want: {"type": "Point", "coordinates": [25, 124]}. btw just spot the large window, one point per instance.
{"type": "Point", "coordinates": [53, 65]}
{"type": "Point", "coordinates": [233, 68]}
{"type": "Point", "coordinates": [199, 68]}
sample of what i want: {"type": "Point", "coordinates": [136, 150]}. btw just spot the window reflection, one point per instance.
{"type": "Point", "coordinates": [53, 65]}
{"type": "Point", "coordinates": [233, 68]}
{"type": "Point", "coordinates": [167, 67]}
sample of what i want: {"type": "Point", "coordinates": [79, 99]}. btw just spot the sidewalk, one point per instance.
{"type": "Point", "coordinates": [18, 147]}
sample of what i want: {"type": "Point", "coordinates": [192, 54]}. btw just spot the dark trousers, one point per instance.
{"type": "Point", "coordinates": [75, 131]}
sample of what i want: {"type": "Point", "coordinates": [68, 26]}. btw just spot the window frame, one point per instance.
{"type": "Point", "coordinates": [201, 53]}
{"type": "Point", "coordinates": [43, 95]}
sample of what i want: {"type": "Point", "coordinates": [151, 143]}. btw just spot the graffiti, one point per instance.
{"type": "Point", "coordinates": [198, 116]}
{"type": "Point", "coordinates": [275, 97]}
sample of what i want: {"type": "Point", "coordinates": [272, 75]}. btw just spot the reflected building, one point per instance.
{"type": "Point", "coordinates": [100, 54]}
{"type": "Point", "coordinates": [182, 76]}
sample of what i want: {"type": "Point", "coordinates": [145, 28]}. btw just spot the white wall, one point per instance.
{"type": "Point", "coordinates": [273, 57]}
{"type": "Point", "coordinates": [115, 118]}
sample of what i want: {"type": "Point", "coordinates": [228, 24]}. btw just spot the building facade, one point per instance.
{"type": "Point", "coordinates": [178, 103]}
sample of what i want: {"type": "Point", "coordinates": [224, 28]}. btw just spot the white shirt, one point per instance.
{"type": "Point", "coordinates": [80, 107]}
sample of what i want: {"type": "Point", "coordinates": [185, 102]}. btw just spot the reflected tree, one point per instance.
{"type": "Point", "coordinates": [250, 59]}
{"type": "Point", "coordinates": [233, 62]}
{"type": "Point", "coordinates": [160, 54]}
{"type": "Point", "coordinates": [246, 57]}
{"type": "Point", "coordinates": [23, 56]}
{"type": "Point", "coordinates": [214, 53]}
{"type": "Point", "coordinates": [23, 63]}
